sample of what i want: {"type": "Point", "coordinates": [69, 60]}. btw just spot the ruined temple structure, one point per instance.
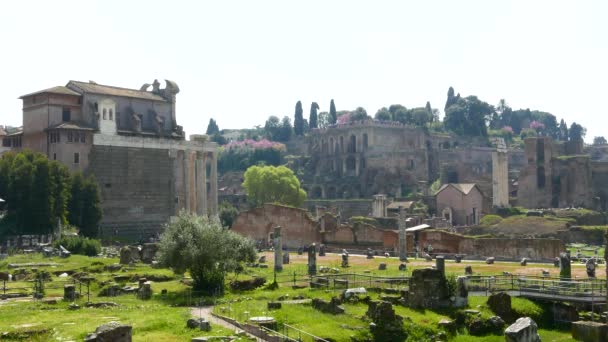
{"type": "Point", "coordinates": [561, 174]}
{"type": "Point", "coordinates": [130, 141]}
{"type": "Point", "coordinates": [461, 204]}
{"type": "Point", "coordinates": [362, 159]}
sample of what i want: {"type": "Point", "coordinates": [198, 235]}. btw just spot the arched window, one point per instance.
{"type": "Point", "coordinates": [111, 115]}
{"type": "Point", "coordinates": [104, 113]}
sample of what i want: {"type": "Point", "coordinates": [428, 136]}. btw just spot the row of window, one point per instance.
{"type": "Point", "coordinates": [76, 157]}
{"type": "Point", "coordinates": [109, 116]}
{"type": "Point", "coordinates": [12, 141]}
{"type": "Point", "coordinates": [73, 137]}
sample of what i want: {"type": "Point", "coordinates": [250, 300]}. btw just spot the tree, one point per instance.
{"type": "Point", "coordinates": [76, 203]}
{"type": "Point", "coordinates": [285, 130]}
{"type": "Point", "coordinates": [383, 114]}
{"type": "Point", "coordinates": [212, 128]}
{"type": "Point", "coordinates": [563, 130]}
{"type": "Point", "coordinates": [91, 208]}
{"type": "Point", "coordinates": [218, 138]}
{"type": "Point", "coordinates": [312, 120]}
{"type": "Point", "coordinates": [270, 184]}
{"type": "Point", "coordinates": [224, 251]}
{"type": "Point", "coordinates": [468, 116]}
{"type": "Point", "coordinates": [41, 200]}
{"type": "Point", "coordinates": [323, 120]}
{"type": "Point", "coordinates": [421, 116]}
{"type": "Point", "coordinates": [333, 116]}
{"type": "Point", "coordinates": [272, 127]}
{"type": "Point", "coordinates": [599, 141]}
{"type": "Point", "coordinates": [60, 191]}
{"type": "Point", "coordinates": [577, 132]}
{"type": "Point", "coordinates": [360, 114]}
{"type": "Point", "coordinates": [228, 214]}
{"type": "Point", "coordinates": [451, 98]}
{"type": "Point", "coordinates": [298, 120]}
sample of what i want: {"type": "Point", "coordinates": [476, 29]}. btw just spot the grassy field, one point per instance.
{"type": "Point", "coordinates": [163, 317]}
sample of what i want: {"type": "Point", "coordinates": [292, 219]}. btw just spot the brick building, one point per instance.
{"type": "Point", "coordinates": [130, 141]}
{"type": "Point", "coordinates": [461, 204]}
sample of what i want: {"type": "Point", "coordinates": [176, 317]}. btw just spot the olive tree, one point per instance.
{"type": "Point", "coordinates": [202, 247]}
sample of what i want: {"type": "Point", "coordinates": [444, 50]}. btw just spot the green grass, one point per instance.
{"type": "Point", "coordinates": [159, 319]}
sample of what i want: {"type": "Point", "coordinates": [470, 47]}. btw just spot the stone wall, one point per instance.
{"type": "Point", "coordinates": [299, 228]}
{"type": "Point", "coordinates": [137, 190]}
{"type": "Point", "coordinates": [346, 208]}
{"type": "Point", "coordinates": [449, 243]}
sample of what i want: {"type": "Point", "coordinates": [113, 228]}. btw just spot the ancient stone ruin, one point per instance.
{"type": "Point", "coordinates": [428, 289]}
{"type": "Point", "coordinates": [333, 306]}
{"type": "Point", "coordinates": [111, 332]}
{"type": "Point", "coordinates": [523, 330]}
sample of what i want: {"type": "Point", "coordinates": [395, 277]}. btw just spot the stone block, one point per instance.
{"type": "Point", "coordinates": [587, 331]}
{"type": "Point", "coordinates": [111, 332]}
{"type": "Point", "coordinates": [274, 305]}
{"type": "Point", "coordinates": [382, 266]}
{"type": "Point", "coordinates": [523, 330]}
{"type": "Point", "coordinates": [500, 304]}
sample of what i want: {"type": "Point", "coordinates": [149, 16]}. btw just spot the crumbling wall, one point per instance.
{"type": "Point", "coordinates": [298, 226]}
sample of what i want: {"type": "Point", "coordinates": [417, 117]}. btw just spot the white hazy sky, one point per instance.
{"type": "Point", "coordinates": [241, 61]}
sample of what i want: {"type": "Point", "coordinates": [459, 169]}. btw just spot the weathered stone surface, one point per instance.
{"type": "Point", "coordinates": [523, 262]}
{"type": "Point", "coordinates": [274, 305]}
{"type": "Point", "coordinates": [333, 307]}
{"type": "Point", "coordinates": [402, 267]}
{"type": "Point", "coordinates": [382, 266]}
{"type": "Point", "coordinates": [198, 323]}
{"type": "Point", "coordinates": [69, 292]}
{"type": "Point", "coordinates": [490, 260]}
{"type": "Point", "coordinates": [468, 270]}
{"type": "Point", "coordinates": [479, 326]}
{"type": "Point", "coordinates": [247, 285]}
{"type": "Point", "coordinates": [587, 331]}
{"type": "Point", "coordinates": [111, 332]}
{"type": "Point", "coordinates": [428, 289]}
{"type": "Point", "coordinates": [145, 291]}
{"type": "Point", "coordinates": [386, 326]}
{"type": "Point", "coordinates": [447, 325]}
{"type": "Point", "coordinates": [461, 298]}
{"type": "Point", "coordinates": [440, 263]}
{"type": "Point", "coordinates": [286, 258]}
{"type": "Point", "coordinates": [500, 304]}
{"type": "Point", "coordinates": [148, 252]}
{"type": "Point", "coordinates": [523, 330]}
{"type": "Point", "coordinates": [565, 271]}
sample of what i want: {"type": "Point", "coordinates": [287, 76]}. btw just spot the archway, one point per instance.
{"type": "Point", "coordinates": [446, 213]}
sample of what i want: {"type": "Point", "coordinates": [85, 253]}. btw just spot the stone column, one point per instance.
{"type": "Point", "coordinates": [201, 184]}
{"type": "Point", "coordinates": [402, 235]}
{"type": "Point", "coordinates": [312, 259]}
{"type": "Point", "coordinates": [187, 189]}
{"type": "Point", "coordinates": [177, 183]}
{"type": "Point", "coordinates": [500, 175]}
{"type": "Point", "coordinates": [357, 166]}
{"type": "Point", "coordinates": [213, 181]}
{"type": "Point", "coordinates": [278, 249]}
{"type": "Point", "coordinates": [344, 169]}
{"type": "Point", "coordinates": [440, 264]}
{"type": "Point", "coordinates": [565, 271]}
{"type": "Point", "coordinates": [462, 292]}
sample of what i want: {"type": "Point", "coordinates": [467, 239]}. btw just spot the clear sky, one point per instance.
{"type": "Point", "coordinates": [241, 61]}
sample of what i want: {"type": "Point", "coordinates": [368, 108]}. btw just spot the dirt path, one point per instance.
{"type": "Point", "coordinates": [205, 312]}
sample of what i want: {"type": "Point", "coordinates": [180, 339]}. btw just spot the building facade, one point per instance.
{"type": "Point", "coordinates": [130, 141]}
{"type": "Point", "coordinates": [461, 204]}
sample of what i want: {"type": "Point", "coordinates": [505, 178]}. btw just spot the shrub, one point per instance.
{"type": "Point", "coordinates": [511, 211]}
{"type": "Point", "coordinates": [490, 220]}
{"type": "Point", "coordinates": [79, 245]}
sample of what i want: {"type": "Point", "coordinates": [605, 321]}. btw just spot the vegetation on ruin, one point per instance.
{"type": "Point", "coordinates": [490, 220]}
{"type": "Point", "coordinates": [41, 193]}
{"type": "Point", "coordinates": [270, 184]}
{"type": "Point", "coordinates": [240, 155]}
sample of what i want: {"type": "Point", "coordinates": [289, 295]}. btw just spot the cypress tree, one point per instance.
{"type": "Point", "coordinates": [312, 121]}
{"type": "Point", "coordinates": [333, 116]}
{"type": "Point", "coordinates": [298, 119]}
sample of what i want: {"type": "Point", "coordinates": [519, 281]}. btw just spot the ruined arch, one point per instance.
{"type": "Point", "coordinates": [447, 214]}
{"type": "Point", "coordinates": [352, 144]}
{"type": "Point", "coordinates": [317, 192]}
{"type": "Point", "coordinates": [331, 192]}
